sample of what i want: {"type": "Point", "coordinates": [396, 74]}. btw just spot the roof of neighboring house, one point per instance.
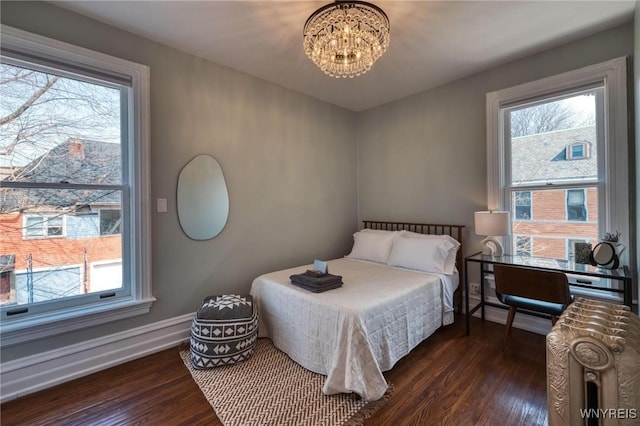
{"type": "Point", "coordinates": [73, 161]}
{"type": "Point", "coordinates": [543, 158]}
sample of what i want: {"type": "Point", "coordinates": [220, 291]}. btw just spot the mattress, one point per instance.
{"type": "Point", "coordinates": [354, 333]}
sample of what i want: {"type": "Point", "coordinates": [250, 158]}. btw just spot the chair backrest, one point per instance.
{"type": "Point", "coordinates": [549, 286]}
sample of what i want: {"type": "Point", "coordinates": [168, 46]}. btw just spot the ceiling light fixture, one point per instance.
{"type": "Point", "coordinates": [345, 38]}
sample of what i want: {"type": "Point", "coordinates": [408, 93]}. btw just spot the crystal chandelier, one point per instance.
{"type": "Point", "coordinates": [345, 38]}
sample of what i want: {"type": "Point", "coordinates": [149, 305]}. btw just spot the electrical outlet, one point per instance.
{"type": "Point", "coordinates": [491, 280]}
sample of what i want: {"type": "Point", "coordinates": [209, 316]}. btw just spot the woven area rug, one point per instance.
{"type": "Point", "coordinates": [271, 389]}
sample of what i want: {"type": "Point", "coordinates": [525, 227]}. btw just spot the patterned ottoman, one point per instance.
{"type": "Point", "coordinates": [224, 331]}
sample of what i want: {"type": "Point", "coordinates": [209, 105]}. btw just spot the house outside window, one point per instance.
{"type": "Point", "coordinates": [571, 198]}
{"type": "Point", "coordinates": [576, 205]}
{"type": "Point", "coordinates": [75, 140]}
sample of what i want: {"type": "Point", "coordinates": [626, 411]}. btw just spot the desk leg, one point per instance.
{"type": "Point", "coordinates": [482, 290]}
{"type": "Point", "coordinates": [628, 295]}
{"type": "Point", "coordinates": [466, 299]}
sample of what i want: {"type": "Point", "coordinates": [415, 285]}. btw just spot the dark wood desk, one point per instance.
{"type": "Point", "coordinates": [569, 267]}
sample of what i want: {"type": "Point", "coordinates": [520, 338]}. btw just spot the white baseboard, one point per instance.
{"type": "Point", "coordinates": [36, 372]}
{"type": "Point", "coordinates": [522, 321]}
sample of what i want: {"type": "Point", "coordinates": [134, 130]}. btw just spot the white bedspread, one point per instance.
{"type": "Point", "coordinates": [354, 333]}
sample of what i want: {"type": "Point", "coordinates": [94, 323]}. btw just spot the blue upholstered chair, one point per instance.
{"type": "Point", "coordinates": [533, 290]}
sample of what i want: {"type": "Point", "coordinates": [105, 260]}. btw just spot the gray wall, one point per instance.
{"type": "Point", "coordinates": [423, 158]}
{"type": "Point", "coordinates": [263, 135]}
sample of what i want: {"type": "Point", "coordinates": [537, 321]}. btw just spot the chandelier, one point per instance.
{"type": "Point", "coordinates": [345, 38]}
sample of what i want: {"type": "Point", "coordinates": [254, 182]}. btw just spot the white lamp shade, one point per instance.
{"type": "Point", "coordinates": [492, 223]}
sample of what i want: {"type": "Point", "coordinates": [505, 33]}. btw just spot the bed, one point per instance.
{"type": "Point", "coordinates": [390, 301]}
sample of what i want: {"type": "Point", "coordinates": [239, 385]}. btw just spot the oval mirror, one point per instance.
{"type": "Point", "coordinates": [202, 198]}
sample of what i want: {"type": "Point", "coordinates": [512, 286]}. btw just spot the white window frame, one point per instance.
{"type": "Point", "coordinates": [613, 202]}
{"type": "Point", "coordinates": [44, 219]}
{"type": "Point", "coordinates": [97, 310]}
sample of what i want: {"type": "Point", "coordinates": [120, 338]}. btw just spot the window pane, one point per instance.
{"type": "Point", "coordinates": [34, 225]}
{"type": "Point", "coordinates": [54, 231]}
{"type": "Point", "coordinates": [54, 221]}
{"type": "Point", "coordinates": [78, 262]}
{"type": "Point", "coordinates": [54, 226]}
{"type": "Point", "coordinates": [110, 221]}
{"type": "Point", "coordinates": [523, 246]}
{"type": "Point", "coordinates": [576, 206]}
{"type": "Point", "coordinates": [522, 204]}
{"type": "Point", "coordinates": [542, 136]}
{"type": "Point", "coordinates": [577, 151]}
{"type": "Point", "coordinates": [550, 228]}
{"type": "Point", "coordinates": [575, 197]}
{"type": "Point", "coordinates": [68, 132]}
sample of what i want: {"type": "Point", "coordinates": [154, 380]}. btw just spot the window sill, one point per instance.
{"type": "Point", "coordinates": [49, 324]}
{"type": "Point", "coordinates": [602, 295]}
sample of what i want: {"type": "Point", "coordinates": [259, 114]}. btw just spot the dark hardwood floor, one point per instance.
{"type": "Point", "coordinates": [449, 379]}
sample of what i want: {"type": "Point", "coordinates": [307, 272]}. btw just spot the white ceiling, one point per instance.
{"type": "Point", "coordinates": [432, 42]}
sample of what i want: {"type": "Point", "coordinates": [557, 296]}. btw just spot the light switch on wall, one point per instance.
{"type": "Point", "coordinates": [161, 205]}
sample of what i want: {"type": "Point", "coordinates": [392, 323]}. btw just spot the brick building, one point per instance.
{"type": "Point", "coordinates": [548, 222]}
{"type": "Point", "coordinates": [57, 243]}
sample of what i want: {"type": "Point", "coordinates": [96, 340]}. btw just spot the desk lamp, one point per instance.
{"type": "Point", "coordinates": [492, 224]}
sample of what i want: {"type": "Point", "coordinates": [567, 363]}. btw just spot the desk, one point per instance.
{"type": "Point", "coordinates": [621, 274]}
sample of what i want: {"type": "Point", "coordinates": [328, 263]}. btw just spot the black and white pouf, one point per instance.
{"type": "Point", "coordinates": [224, 331]}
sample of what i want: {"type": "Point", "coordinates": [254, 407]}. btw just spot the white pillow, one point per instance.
{"type": "Point", "coordinates": [450, 262]}
{"type": "Point", "coordinates": [424, 254]}
{"type": "Point", "coordinates": [373, 245]}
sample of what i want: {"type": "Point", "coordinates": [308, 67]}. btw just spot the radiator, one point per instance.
{"type": "Point", "coordinates": [593, 366]}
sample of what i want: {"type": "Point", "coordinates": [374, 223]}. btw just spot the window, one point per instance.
{"type": "Point", "coordinates": [538, 168]}
{"type": "Point", "coordinates": [110, 222]}
{"type": "Point", "coordinates": [34, 226]}
{"type": "Point", "coordinates": [43, 226]}
{"type": "Point", "coordinates": [533, 129]}
{"type": "Point", "coordinates": [522, 205]}
{"type": "Point", "coordinates": [576, 205]}
{"type": "Point", "coordinates": [74, 140]}
{"type": "Point", "coordinates": [522, 245]}
{"type": "Point", "coordinates": [7, 278]}
{"type": "Point", "coordinates": [577, 151]}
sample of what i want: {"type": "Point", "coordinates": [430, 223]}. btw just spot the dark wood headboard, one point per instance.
{"type": "Point", "coordinates": [454, 231]}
